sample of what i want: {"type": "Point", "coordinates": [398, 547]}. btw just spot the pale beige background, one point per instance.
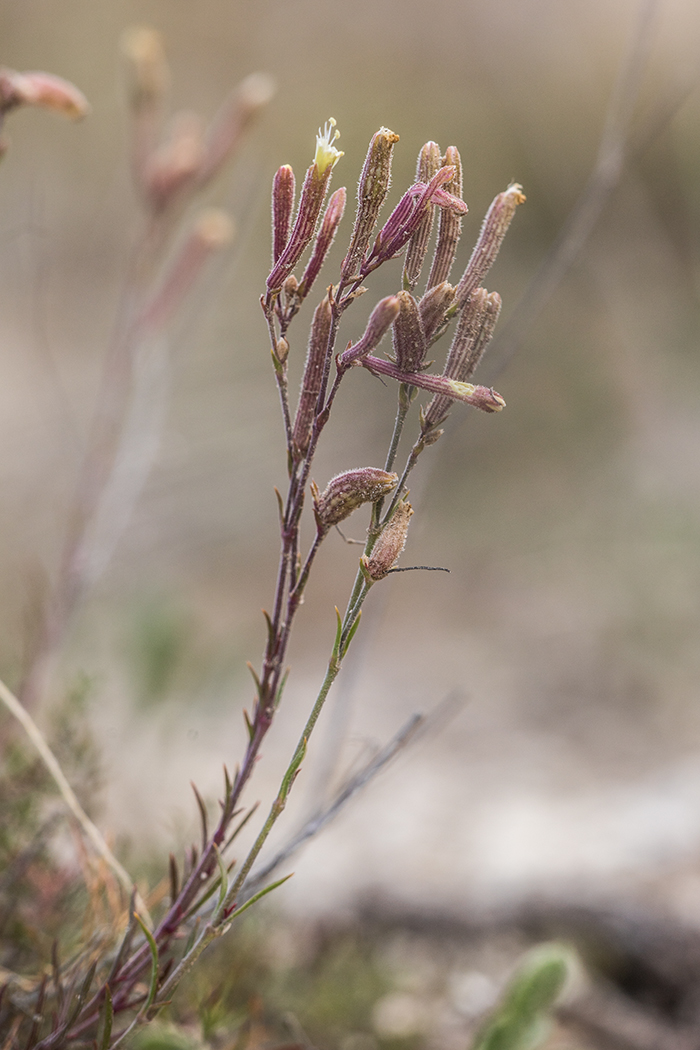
{"type": "Point", "coordinates": [570, 523]}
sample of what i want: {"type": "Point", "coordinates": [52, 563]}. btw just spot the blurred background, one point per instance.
{"type": "Point", "coordinates": [570, 522]}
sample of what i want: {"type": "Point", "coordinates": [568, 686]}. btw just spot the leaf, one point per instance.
{"type": "Point", "coordinates": [202, 815]}
{"type": "Point", "coordinates": [107, 1017]}
{"type": "Point", "coordinates": [174, 878]}
{"type": "Point", "coordinates": [261, 893]}
{"type": "Point", "coordinates": [153, 987]}
{"type": "Point", "coordinates": [351, 634]}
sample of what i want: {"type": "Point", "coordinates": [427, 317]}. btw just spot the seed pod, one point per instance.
{"type": "Point", "coordinates": [313, 375]}
{"type": "Point", "coordinates": [348, 491]}
{"type": "Point", "coordinates": [371, 194]}
{"type": "Point", "coordinates": [408, 335]}
{"type": "Point", "coordinates": [429, 161]}
{"type": "Point", "coordinates": [390, 543]}
{"type": "Point", "coordinates": [493, 230]}
{"type": "Point", "coordinates": [450, 228]}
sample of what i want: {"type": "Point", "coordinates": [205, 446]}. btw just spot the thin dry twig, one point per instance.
{"type": "Point", "coordinates": [414, 729]}
{"type": "Point", "coordinates": [90, 830]}
{"type": "Point", "coordinates": [613, 152]}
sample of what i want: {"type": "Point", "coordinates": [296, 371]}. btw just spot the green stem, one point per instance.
{"type": "Point", "coordinates": [288, 778]}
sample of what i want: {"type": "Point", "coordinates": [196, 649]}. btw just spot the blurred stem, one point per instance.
{"type": "Point", "coordinates": [69, 797]}
{"type": "Point", "coordinates": [100, 457]}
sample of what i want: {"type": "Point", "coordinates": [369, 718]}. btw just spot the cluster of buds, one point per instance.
{"type": "Point", "coordinates": [187, 156]}
{"type": "Point", "coordinates": [416, 321]}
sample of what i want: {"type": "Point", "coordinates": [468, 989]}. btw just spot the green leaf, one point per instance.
{"type": "Point", "coordinates": [261, 893]}
{"type": "Point", "coordinates": [202, 815]}
{"type": "Point", "coordinates": [107, 1017]}
{"type": "Point", "coordinates": [153, 987]}
{"type": "Point", "coordinates": [351, 634]}
{"type": "Point", "coordinates": [520, 1022]}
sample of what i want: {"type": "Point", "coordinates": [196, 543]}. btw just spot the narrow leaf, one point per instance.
{"type": "Point", "coordinates": [261, 893]}
{"type": "Point", "coordinates": [351, 633]}
{"type": "Point", "coordinates": [174, 879]}
{"type": "Point", "coordinates": [283, 683]}
{"type": "Point", "coordinates": [125, 946]}
{"type": "Point", "coordinates": [248, 724]}
{"type": "Point", "coordinates": [223, 881]}
{"type": "Point", "coordinates": [202, 815]}
{"type": "Point", "coordinates": [107, 1018]}
{"type": "Point", "coordinates": [153, 987]}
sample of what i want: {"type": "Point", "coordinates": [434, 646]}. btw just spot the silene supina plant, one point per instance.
{"type": "Point", "coordinates": [105, 990]}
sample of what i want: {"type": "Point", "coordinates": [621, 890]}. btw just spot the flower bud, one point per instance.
{"type": "Point", "coordinates": [324, 239]}
{"type": "Point", "coordinates": [390, 544]}
{"type": "Point", "coordinates": [408, 335]}
{"type": "Point", "coordinates": [472, 335]}
{"type": "Point", "coordinates": [348, 491]}
{"type": "Point", "coordinates": [493, 230]}
{"type": "Point", "coordinates": [43, 90]}
{"type": "Point", "coordinates": [282, 207]}
{"type": "Point", "coordinates": [313, 194]}
{"type": "Point", "coordinates": [429, 162]}
{"type": "Point", "coordinates": [408, 215]}
{"type": "Point", "coordinates": [482, 397]}
{"type": "Point", "coordinates": [371, 194]}
{"type": "Point", "coordinates": [433, 307]}
{"type": "Point", "coordinates": [450, 228]}
{"type": "Point", "coordinates": [148, 72]}
{"type": "Point", "coordinates": [380, 320]}
{"type": "Point", "coordinates": [312, 377]}
{"type": "Point", "coordinates": [234, 116]}
{"type": "Point", "coordinates": [177, 163]}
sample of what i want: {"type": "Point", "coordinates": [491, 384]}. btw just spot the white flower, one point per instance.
{"type": "Point", "coordinates": [326, 153]}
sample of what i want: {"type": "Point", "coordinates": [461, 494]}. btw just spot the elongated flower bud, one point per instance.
{"type": "Point", "coordinates": [433, 307]}
{"type": "Point", "coordinates": [493, 230]}
{"type": "Point", "coordinates": [312, 377]}
{"type": "Point", "coordinates": [408, 336]}
{"type": "Point", "coordinates": [313, 194]}
{"type": "Point", "coordinates": [282, 208]}
{"type": "Point", "coordinates": [390, 543]}
{"type": "Point", "coordinates": [148, 73]}
{"type": "Point", "coordinates": [233, 118]}
{"type": "Point", "coordinates": [176, 165]}
{"type": "Point", "coordinates": [407, 216]}
{"type": "Point", "coordinates": [450, 228]}
{"type": "Point", "coordinates": [43, 90]}
{"type": "Point", "coordinates": [429, 162]}
{"type": "Point", "coordinates": [348, 491]}
{"type": "Point", "coordinates": [482, 397]}
{"type": "Point", "coordinates": [371, 194]}
{"type": "Point", "coordinates": [380, 320]}
{"type": "Point", "coordinates": [325, 238]}
{"type": "Point", "coordinates": [472, 336]}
